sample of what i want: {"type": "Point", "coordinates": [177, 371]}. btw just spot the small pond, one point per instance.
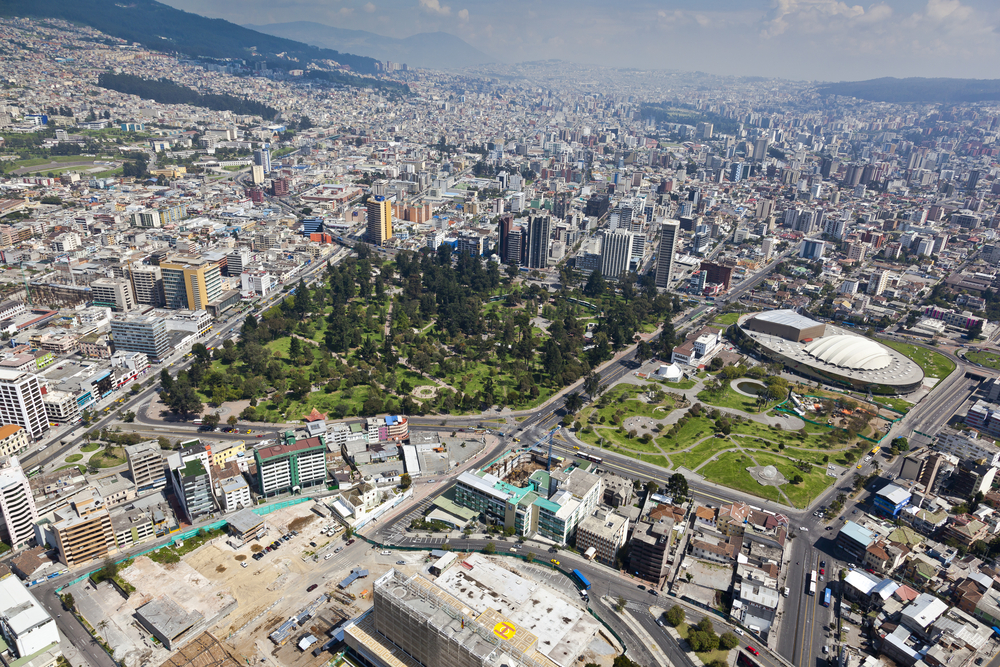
{"type": "Point", "coordinates": [750, 387]}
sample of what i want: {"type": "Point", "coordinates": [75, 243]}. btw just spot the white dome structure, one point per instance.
{"type": "Point", "coordinates": [848, 351]}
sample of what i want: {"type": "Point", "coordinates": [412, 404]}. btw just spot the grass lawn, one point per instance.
{"type": "Point", "coordinates": [988, 359]}
{"type": "Point", "coordinates": [655, 459]}
{"type": "Point", "coordinates": [683, 384]}
{"type": "Point", "coordinates": [730, 470]}
{"type": "Point", "coordinates": [73, 458]}
{"type": "Point", "coordinates": [934, 364]}
{"type": "Point", "coordinates": [81, 469]}
{"type": "Point", "coordinates": [895, 402]}
{"type": "Point", "coordinates": [91, 447]}
{"type": "Point", "coordinates": [701, 453]}
{"type": "Point", "coordinates": [621, 400]}
{"type": "Point", "coordinates": [728, 398]}
{"type": "Point", "coordinates": [101, 460]}
{"type": "Point", "coordinates": [694, 430]}
{"type": "Point", "coordinates": [613, 435]}
{"type": "Point", "coordinates": [726, 318]}
{"type": "Point", "coordinates": [41, 161]}
{"type": "Point", "coordinates": [708, 656]}
{"type": "Point", "coordinates": [814, 481]}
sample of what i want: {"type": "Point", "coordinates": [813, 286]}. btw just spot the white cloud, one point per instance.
{"type": "Point", "coordinates": [369, 7]}
{"type": "Point", "coordinates": [463, 15]}
{"type": "Point", "coordinates": [819, 16]}
{"type": "Point", "coordinates": [435, 7]}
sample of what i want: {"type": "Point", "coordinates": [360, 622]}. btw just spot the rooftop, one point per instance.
{"type": "Point", "coordinates": [276, 451]}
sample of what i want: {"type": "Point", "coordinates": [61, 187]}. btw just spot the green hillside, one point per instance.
{"type": "Point", "coordinates": [158, 26]}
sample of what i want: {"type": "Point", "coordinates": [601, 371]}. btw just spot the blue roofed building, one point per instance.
{"type": "Point", "coordinates": [855, 539]}
{"type": "Point", "coordinates": [891, 499]}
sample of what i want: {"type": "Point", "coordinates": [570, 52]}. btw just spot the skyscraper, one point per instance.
{"type": "Point", "coordinates": [262, 158]}
{"type": "Point", "coordinates": [760, 149]}
{"type": "Point", "coordinates": [669, 231]}
{"type": "Point", "coordinates": [191, 282]}
{"type": "Point", "coordinates": [21, 402]}
{"type": "Point", "coordinates": [503, 232]}
{"type": "Point", "coordinates": [379, 220]}
{"type": "Point", "coordinates": [17, 505]}
{"type": "Point", "coordinates": [616, 251]}
{"type": "Point", "coordinates": [539, 239]}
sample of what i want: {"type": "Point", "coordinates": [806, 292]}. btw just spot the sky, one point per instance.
{"type": "Point", "coordinates": [823, 40]}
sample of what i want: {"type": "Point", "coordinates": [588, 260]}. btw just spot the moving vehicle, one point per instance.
{"type": "Point", "coordinates": [312, 588]}
{"type": "Point", "coordinates": [751, 649]}
{"type": "Point", "coordinates": [582, 580]}
{"type": "Point", "coordinates": [739, 632]}
{"type": "Point", "coordinates": [826, 597]}
{"type": "Point", "coordinates": [554, 561]}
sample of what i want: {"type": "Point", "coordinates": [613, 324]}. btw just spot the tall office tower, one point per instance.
{"type": "Point", "coordinates": [804, 222]}
{"type": "Point", "coordinates": [940, 242]}
{"type": "Point", "coordinates": [17, 505]}
{"type": "Point", "coordinates": [379, 220]}
{"type": "Point", "coordinates": [539, 240]}
{"type": "Point", "coordinates": [190, 282]}
{"type": "Point", "coordinates": [621, 217]}
{"type": "Point", "coordinates": [811, 249]}
{"type": "Point", "coordinates": [767, 247]}
{"type": "Point", "coordinates": [262, 158]}
{"type": "Point", "coordinates": [21, 402]}
{"type": "Point", "coordinates": [147, 284]}
{"type": "Point", "coordinates": [145, 464]}
{"type": "Point", "coordinates": [791, 218]}
{"type": "Point", "coordinates": [669, 233]}
{"type": "Point", "coordinates": [616, 252]}
{"type": "Point", "coordinates": [760, 149]}
{"type": "Point", "coordinates": [141, 334]}
{"type": "Point", "coordinates": [853, 175]}
{"type": "Point", "coordinates": [736, 172]}
{"type": "Point", "coordinates": [765, 207]}
{"type": "Point", "coordinates": [828, 167]}
{"type": "Point", "coordinates": [973, 179]}
{"type": "Point", "coordinates": [237, 261]}
{"type": "Point", "coordinates": [517, 246]}
{"type": "Point", "coordinates": [878, 282]}
{"type": "Point", "coordinates": [835, 227]}
{"type": "Point", "coordinates": [503, 234]}
{"type": "Point", "coordinates": [114, 293]}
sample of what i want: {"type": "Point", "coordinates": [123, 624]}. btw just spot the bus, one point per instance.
{"type": "Point", "coordinates": [812, 588]}
{"type": "Point", "coordinates": [582, 580]}
{"type": "Point", "coordinates": [826, 597]}
{"type": "Point", "coordinates": [590, 457]}
{"type": "Point", "coordinates": [812, 576]}
{"type": "Point", "coordinates": [875, 450]}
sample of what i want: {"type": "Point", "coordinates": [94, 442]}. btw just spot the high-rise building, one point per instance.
{"type": "Point", "coordinates": [760, 149]}
{"type": "Point", "coordinates": [503, 232]}
{"type": "Point", "coordinates": [147, 284]}
{"type": "Point", "coordinates": [141, 334]}
{"type": "Point", "coordinates": [539, 240]}
{"type": "Point", "coordinates": [379, 220]}
{"type": "Point", "coordinates": [145, 465]}
{"type": "Point", "coordinates": [517, 247]}
{"type": "Point", "coordinates": [21, 402]}
{"type": "Point", "coordinates": [262, 158]}
{"type": "Point", "coordinates": [812, 249]}
{"type": "Point", "coordinates": [616, 253]}
{"type": "Point", "coordinates": [82, 529]}
{"type": "Point", "coordinates": [767, 247]}
{"type": "Point", "coordinates": [878, 282]}
{"type": "Point", "coordinates": [669, 232]}
{"type": "Point", "coordinates": [191, 282]}
{"type": "Point", "coordinates": [115, 293]}
{"type": "Point", "coordinates": [290, 468]}
{"type": "Point", "coordinates": [17, 505]}
{"type": "Point", "coordinates": [720, 274]}
{"type": "Point", "coordinates": [237, 261]}
{"type": "Point", "coordinates": [191, 479]}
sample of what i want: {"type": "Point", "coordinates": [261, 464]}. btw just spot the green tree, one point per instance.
{"type": "Point", "coordinates": [573, 402]}
{"type": "Point", "coordinates": [232, 421]}
{"type": "Point", "coordinates": [405, 481]}
{"type": "Point", "coordinates": [675, 615]}
{"type": "Point", "coordinates": [68, 601]}
{"type": "Point", "coordinates": [728, 641]}
{"type": "Point", "coordinates": [211, 420]}
{"type": "Point", "coordinates": [490, 548]}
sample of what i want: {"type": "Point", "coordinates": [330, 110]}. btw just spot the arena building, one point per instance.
{"type": "Point", "coordinates": [827, 353]}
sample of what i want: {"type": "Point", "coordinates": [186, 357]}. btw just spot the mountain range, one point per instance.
{"type": "Point", "coordinates": [436, 50]}
{"type": "Point", "coordinates": [917, 90]}
{"type": "Point", "coordinates": [161, 27]}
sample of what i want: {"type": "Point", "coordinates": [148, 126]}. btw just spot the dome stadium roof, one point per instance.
{"type": "Point", "coordinates": [849, 351]}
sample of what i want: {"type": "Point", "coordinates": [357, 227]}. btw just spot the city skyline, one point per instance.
{"type": "Point", "coordinates": [830, 40]}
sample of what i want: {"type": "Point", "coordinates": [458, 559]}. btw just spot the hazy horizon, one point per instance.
{"type": "Point", "coordinates": [793, 39]}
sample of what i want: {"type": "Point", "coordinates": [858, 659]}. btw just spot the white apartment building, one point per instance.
{"type": "Point", "coordinates": [235, 494]}
{"type": "Point", "coordinates": [17, 505]}
{"type": "Point", "coordinates": [260, 283]}
{"type": "Point", "coordinates": [26, 626]}
{"type": "Point", "coordinates": [21, 402]}
{"type": "Point", "coordinates": [61, 407]}
{"type": "Point", "coordinates": [966, 446]}
{"type": "Point", "coordinates": [604, 532]}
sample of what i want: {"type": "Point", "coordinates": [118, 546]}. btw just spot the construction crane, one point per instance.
{"type": "Point", "coordinates": [27, 292]}
{"type": "Point", "coordinates": [547, 440]}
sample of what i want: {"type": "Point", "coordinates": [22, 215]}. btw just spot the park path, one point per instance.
{"type": "Point", "coordinates": [738, 448]}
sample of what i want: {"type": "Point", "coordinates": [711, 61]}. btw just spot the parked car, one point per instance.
{"type": "Point", "coordinates": [312, 588]}
{"type": "Point", "coordinates": [739, 632]}
{"type": "Point", "coordinates": [244, 564]}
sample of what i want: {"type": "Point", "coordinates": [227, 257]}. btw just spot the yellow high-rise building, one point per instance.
{"type": "Point", "coordinates": [190, 283]}
{"type": "Point", "coordinates": [379, 220]}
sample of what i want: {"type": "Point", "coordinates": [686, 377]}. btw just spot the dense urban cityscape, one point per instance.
{"type": "Point", "coordinates": [532, 364]}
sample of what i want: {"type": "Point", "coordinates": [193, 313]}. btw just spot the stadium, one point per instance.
{"type": "Point", "coordinates": [827, 353]}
